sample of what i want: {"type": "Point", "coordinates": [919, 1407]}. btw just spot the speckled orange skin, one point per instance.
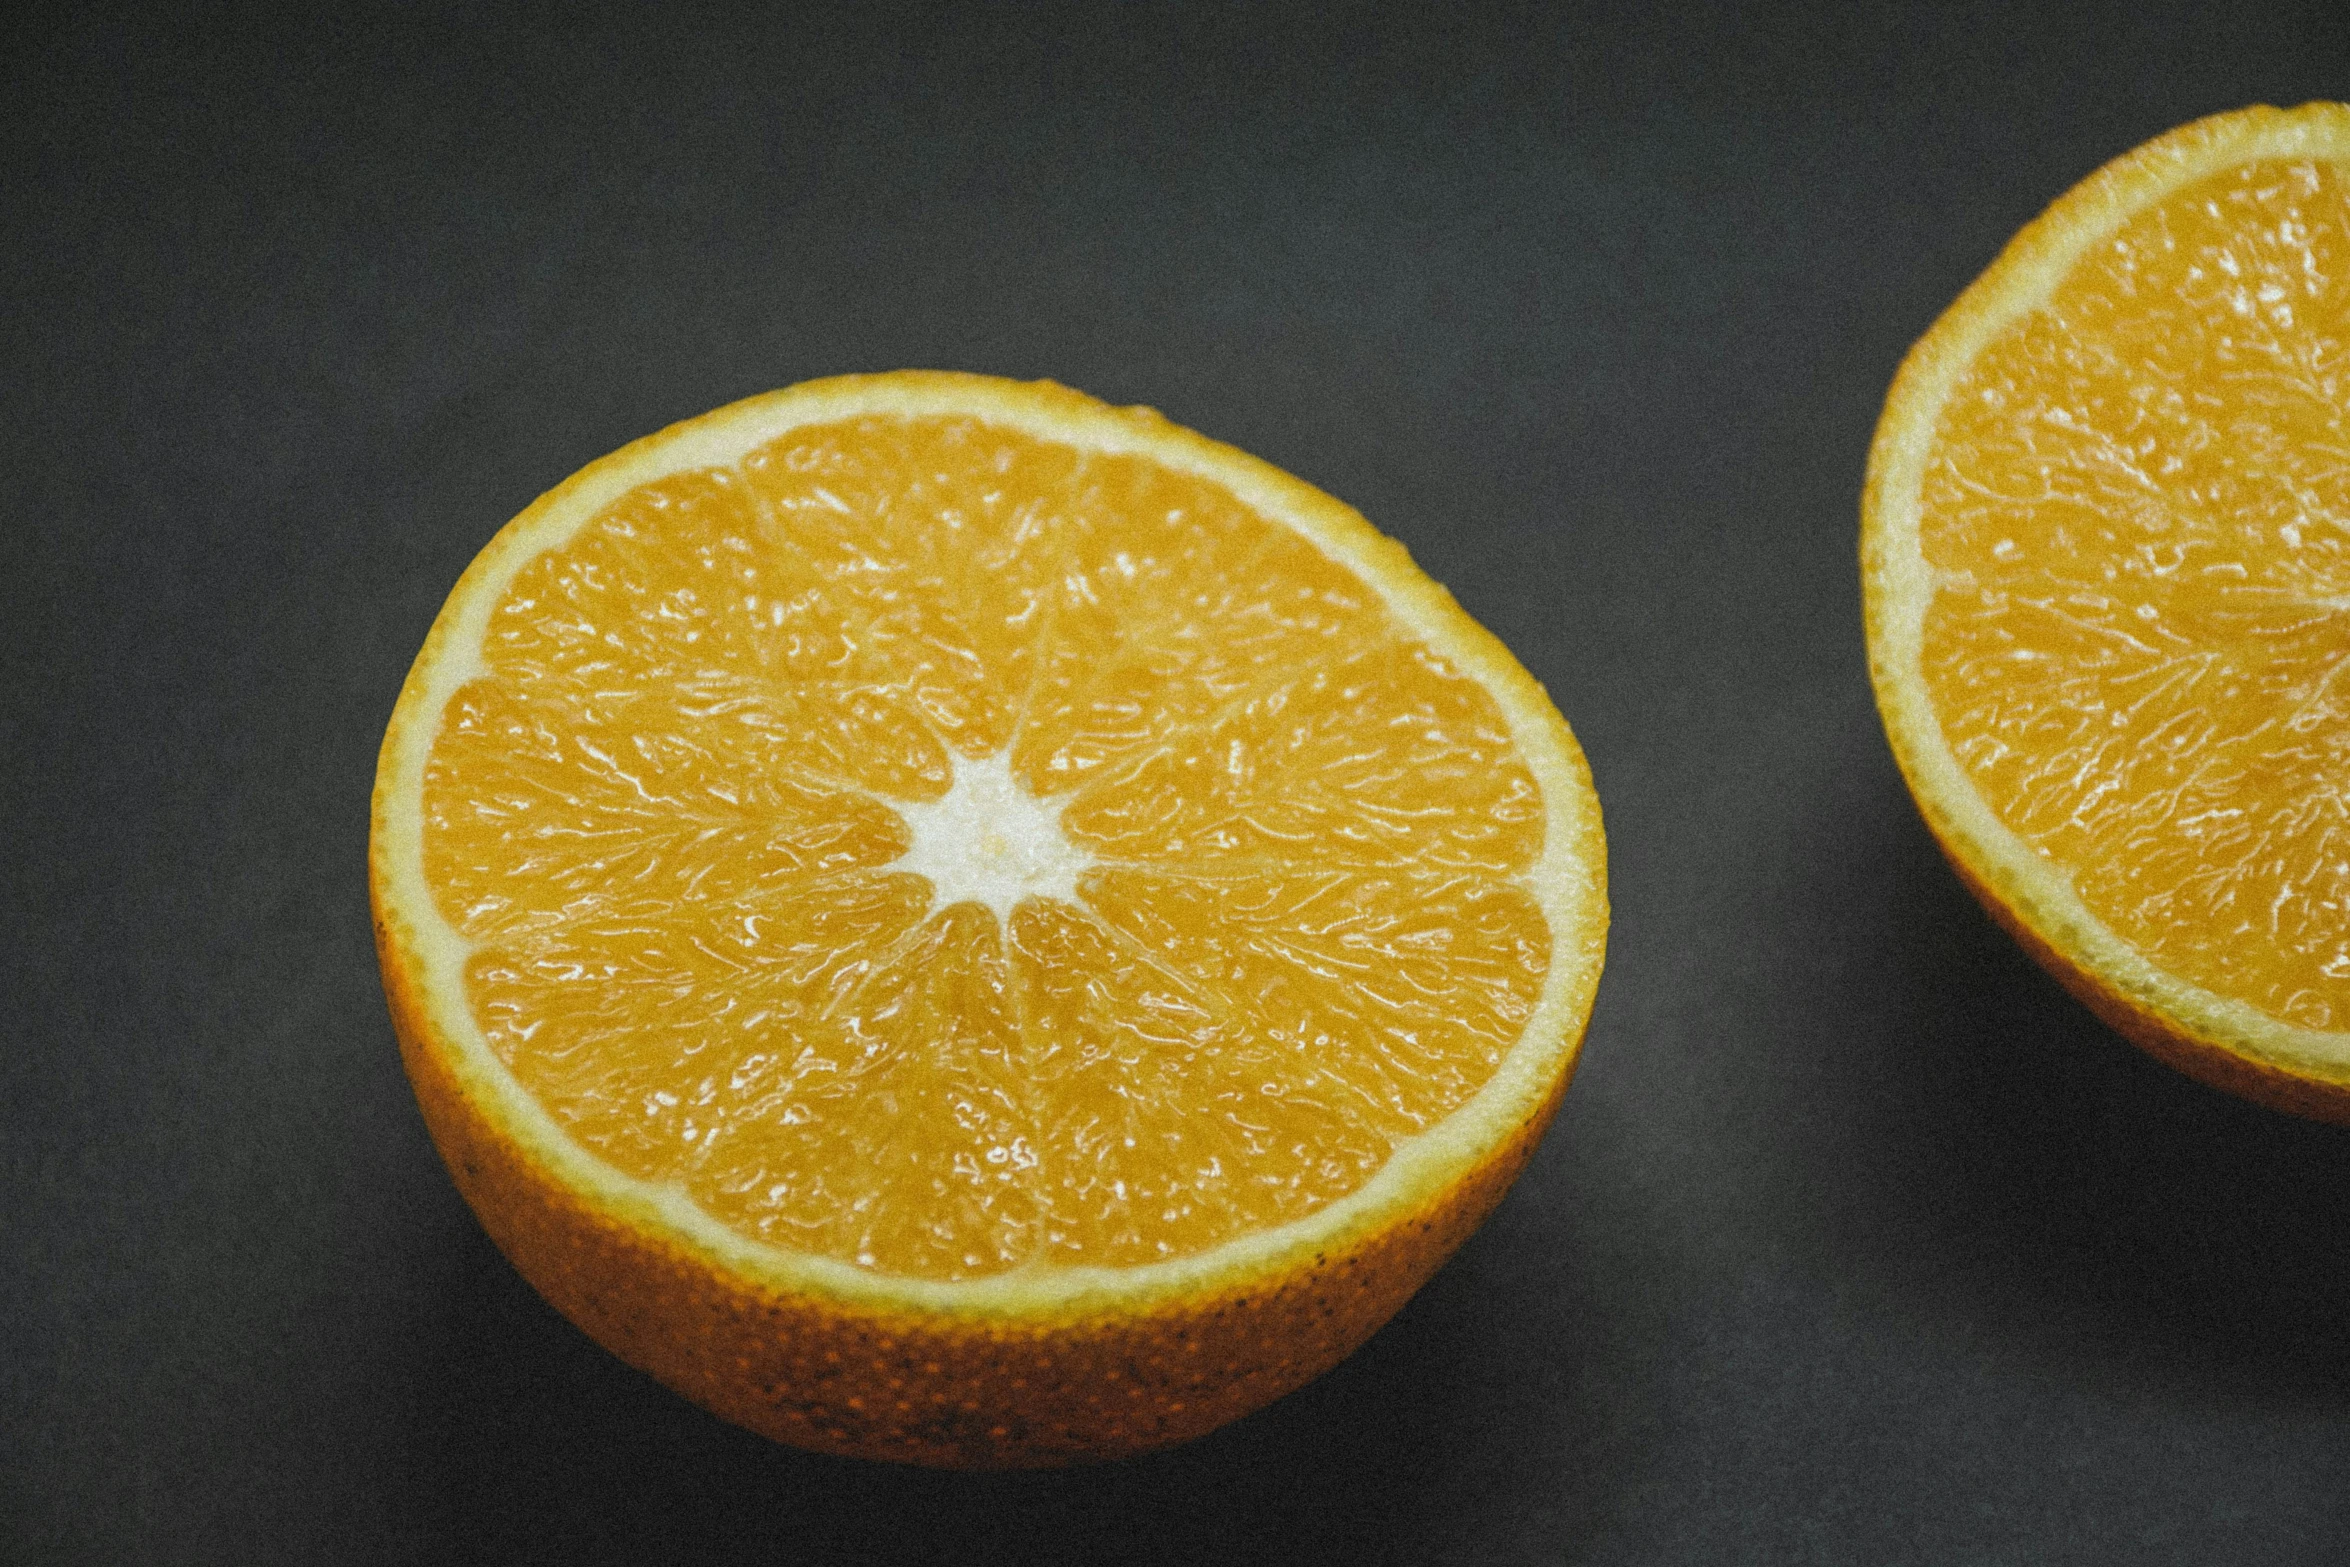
{"type": "Point", "coordinates": [944, 1390]}
{"type": "Point", "coordinates": [2211, 1064]}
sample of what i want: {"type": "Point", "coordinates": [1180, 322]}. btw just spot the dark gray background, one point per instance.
{"type": "Point", "coordinates": [1856, 1241]}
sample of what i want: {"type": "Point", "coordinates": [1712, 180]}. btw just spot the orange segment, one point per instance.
{"type": "Point", "coordinates": [2126, 461]}
{"type": "Point", "coordinates": [1173, 603]}
{"type": "Point", "coordinates": [1379, 756]}
{"type": "Point", "coordinates": [929, 547]}
{"type": "Point", "coordinates": [924, 845]}
{"type": "Point", "coordinates": [1390, 997]}
{"type": "Point", "coordinates": [538, 809]}
{"type": "Point", "coordinates": [1170, 1125]}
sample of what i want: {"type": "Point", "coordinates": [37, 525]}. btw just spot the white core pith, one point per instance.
{"type": "Point", "coordinates": [988, 840]}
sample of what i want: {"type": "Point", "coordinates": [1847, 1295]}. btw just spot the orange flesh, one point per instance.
{"type": "Point", "coordinates": [2138, 511]}
{"type": "Point", "coordinates": [665, 819]}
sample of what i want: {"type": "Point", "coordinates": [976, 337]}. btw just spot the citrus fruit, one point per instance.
{"type": "Point", "coordinates": [2106, 556]}
{"type": "Point", "coordinates": [951, 922]}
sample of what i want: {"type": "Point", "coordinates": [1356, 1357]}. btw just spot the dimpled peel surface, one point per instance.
{"type": "Point", "coordinates": [2139, 639]}
{"type": "Point", "coordinates": [941, 850]}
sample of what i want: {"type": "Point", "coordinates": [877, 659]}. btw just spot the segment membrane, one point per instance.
{"type": "Point", "coordinates": [2139, 510]}
{"type": "Point", "coordinates": [666, 818]}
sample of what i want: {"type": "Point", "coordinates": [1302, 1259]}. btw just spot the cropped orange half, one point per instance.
{"type": "Point", "coordinates": [2106, 549]}
{"type": "Point", "coordinates": [954, 923]}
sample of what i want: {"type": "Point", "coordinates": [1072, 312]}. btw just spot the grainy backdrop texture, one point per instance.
{"type": "Point", "coordinates": [1856, 1242]}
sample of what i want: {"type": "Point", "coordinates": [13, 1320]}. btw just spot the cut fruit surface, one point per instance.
{"type": "Point", "coordinates": [928, 861]}
{"type": "Point", "coordinates": [2107, 561]}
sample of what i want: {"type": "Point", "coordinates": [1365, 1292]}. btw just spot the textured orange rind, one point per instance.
{"type": "Point", "coordinates": [1042, 1365]}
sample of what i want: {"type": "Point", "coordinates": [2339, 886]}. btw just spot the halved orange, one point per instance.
{"type": "Point", "coordinates": [951, 922]}
{"type": "Point", "coordinates": [2106, 552]}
